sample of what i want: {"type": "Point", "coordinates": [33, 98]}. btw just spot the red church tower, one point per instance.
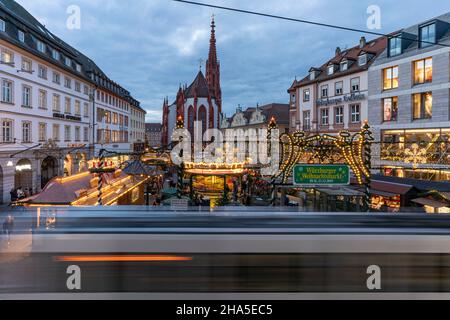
{"type": "Point", "coordinates": [213, 69]}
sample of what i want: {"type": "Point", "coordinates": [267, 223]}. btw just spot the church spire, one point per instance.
{"type": "Point", "coordinates": [213, 68]}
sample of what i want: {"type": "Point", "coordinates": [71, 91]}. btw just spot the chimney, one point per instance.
{"type": "Point", "coordinates": [362, 42]}
{"type": "Point", "coordinates": [338, 51]}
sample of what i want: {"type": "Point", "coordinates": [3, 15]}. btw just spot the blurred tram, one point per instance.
{"type": "Point", "coordinates": [236, 252]}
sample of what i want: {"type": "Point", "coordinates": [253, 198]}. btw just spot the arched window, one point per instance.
{"type": "Point", "coordinates": [191, 120]}
{"type": "Point", "coordinates": [202, 117]}
{"type": "Point", "coordinates": [211, 117]}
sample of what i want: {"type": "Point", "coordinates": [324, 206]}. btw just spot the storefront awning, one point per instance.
{"type": "Point", "coordinates": [430, 202]}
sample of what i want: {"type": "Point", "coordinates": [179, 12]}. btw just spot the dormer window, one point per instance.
{"type": "Point", "coordinates": [362, 59]}
{"type": "Point", "coordinates": [78, 67]}
{"type": "Point", "coordinates": [344, 65]}
{"type": "Point", "coordinates": [2, 25]}
{"type": "Point", "coordinates": [67, 61]}
{"type": "Point", "coordinates": [55, 54]}
{"type": "Point", "coordinates": [330, 69]}
{"type": "Point", "coordinates": [395, 46]}
{"type": "Point", "coordinates": [427, 35]}
{"type": "Point", "coordinates": [40, 46]}
{"type": "Point", "coordinates": [21, 36]}
{"type": "Point", "coordinates": [312, 75]}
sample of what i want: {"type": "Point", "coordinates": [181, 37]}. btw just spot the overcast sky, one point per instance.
{"type": "Point", "coordinates": [150, 46]}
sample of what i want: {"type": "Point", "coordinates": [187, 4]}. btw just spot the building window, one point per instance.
{"type": "Point", "coordinates": [42, 72]}
{"type": "Point", "coordinates": [40, 46]}
{"type": "Point", "coordinates": [26, 96]}
{"type": "Point", "coordinates": [67, 82]}
{"type": "Point", "coordinates": [344, 66]}
{"type": "Point", "coordinates": [330, 70]}
{"type": "Point", "coordinates": [77, 87]}
{"type": "Point", "coordinates": [355, 113]}
{"type": "Point", "coordinates": [395, 46]}
{"type": "Point", "coordinates": [26, 131]}
{"type": "Point", "coordinates": [56, 77]}
{"type": "Point", "coordinates": [27, 65]}
{"type": "Point", "coordinates": [67, 61]}
{"type": "Point", "coordinates": [423, 71]}
{"type": "Point", "coordinates": [68, 106]}
{"type": "Point", "coordinates": [324, 91]}
{"type": "Point", "coordinates": [56, 132]}
{"type": "Point", "coordinates": [7, 91]}
{"type": "Point", "coordinates": [390, 78]}
{"type": "Point", "coordinates": [390, 109]}
{"type": "Point", "coordinates": [7, 131]}
{"type": "Point", "coordinates": [78, 67]}
{"type": "Point", "coordinates": [362, 59]}
{"type": "Point", "coordinates": [86, 90]}
{"type": "Point", "coordinates": [56, 103]}
{"type": "Point", "coordinates": [77, 134]}
{"type": "Point", "coordinates": [339, 115]}
{"type": "Point", "coordinates": [338, 86]}
{"type": "Point", "coordinates": [324, 117]}
{"type": "Point", "coordinates": [422, 105]}
{"type": "Point", "coordinates": [293, 99]}
{"type": "Point", "coordinates": [21, 36]}
{"type": "Point", "coordinates": [306, 95]}
{"type": "Point", "coordinates": [7, 57]}
{"type": "Point", "coordinates": [67, 133]}
{"type": "Point", "coordinates": [86, 110]}
{"type": "Point", "coordinates": [2, 25]}
{"type": "Point", "coordinates": [86, 134]}
{"type": "Point", "coordinates": [108, 116]}
{"type": "Point", "coordinates": [427, 35]}
{"type": "Point", "coordinates": [55, 54]}
{"type": "Point", "coordinates": [115, 118]}
{"type": "Point", "coordinates": [77, 108]}
{"type": "Point", "coordinates": [42, 99]}
{"type": "Point", "coordinates": [126, 121]}
{"type": "Point", "coordinates": [354, 85]}
{"type": "Point", "coordinates": [42, 131]}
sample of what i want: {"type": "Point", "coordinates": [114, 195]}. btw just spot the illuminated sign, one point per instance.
{"type": "Point", "coordinates": [347, 98]}
{"type": "Point", "coordinates": [23, 167]}
{"type": "Point", "coordinates": [325, 175]}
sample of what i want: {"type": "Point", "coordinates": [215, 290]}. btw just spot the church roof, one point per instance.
{"type": "Point", "coordinates": [199, 86]}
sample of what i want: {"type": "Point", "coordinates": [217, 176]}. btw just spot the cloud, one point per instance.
{"type": "Point", "coordinates": [151, 46]}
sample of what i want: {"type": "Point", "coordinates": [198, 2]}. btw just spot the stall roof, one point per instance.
{"type": "Point", "coordinates": [430, 202]}
{"type": "Point", "coordinates": [343, 191]}
{"type": "Point", "coordinates": [422, 185]}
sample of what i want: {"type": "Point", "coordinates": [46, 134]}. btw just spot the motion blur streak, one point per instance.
{"type": "Point", "coordinates": [121, 258]}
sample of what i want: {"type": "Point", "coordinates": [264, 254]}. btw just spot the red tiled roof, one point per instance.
{"type": "Point", "coordinates": [374, 47]}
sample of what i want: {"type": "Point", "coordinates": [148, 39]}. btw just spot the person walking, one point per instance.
{"type": "Point", "coordinates": [8, 226]}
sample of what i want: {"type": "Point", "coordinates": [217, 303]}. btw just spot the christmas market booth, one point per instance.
{"type": "Point", "coordinates": [211, 179]}
{"type": "Point", "coordinates": [118, 188]}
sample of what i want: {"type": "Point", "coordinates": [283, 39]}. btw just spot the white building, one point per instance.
{"type": "Point", "coordinates": [137, 124]}
{"type": "Point", "coordinates": [47, 114]}
{"type": "Point", "coordinates": [334, 97]}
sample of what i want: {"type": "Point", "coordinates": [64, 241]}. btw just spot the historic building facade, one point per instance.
{"type": "Point", "coordinates": [409, 102]}
{"type": "Point", "coordinates": [48, 104]}
{"type": "Point", "coordinates": [137, 125]}
{"type": "Point", "coordinates": [153, 134]}
{"type": "Point", "coordinates": [258, 117]}
{"type": "Point", "coordinates": [334, 96]}
{"type": "Point", "coordinates": [200, 101]}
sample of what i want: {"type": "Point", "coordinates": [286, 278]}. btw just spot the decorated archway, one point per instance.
{"type": "Point", "coordinates": [49, 170]}
{"type": "Point", "coordinates": [23, 176]}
